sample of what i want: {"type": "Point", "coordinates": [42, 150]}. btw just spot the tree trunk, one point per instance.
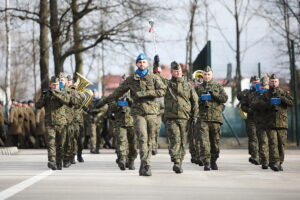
{"type": "Point", "coordinates": [238, 53]}
{"type": "Point", "coordinates": [8, 60]}
{"type": "Point", "coordinates": [34, 60]}
{"type": "Point", "coordinates": [77, 40]}
{"type": "Point", "coordinates": [55, 35]}
{"type": "Point", "coordinates": [44, 44]}
{"type": "Point", "coordinates": [190, 38]}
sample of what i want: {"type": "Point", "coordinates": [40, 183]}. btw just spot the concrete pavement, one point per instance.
{"type": "Point", "coordinates": [25, 176]}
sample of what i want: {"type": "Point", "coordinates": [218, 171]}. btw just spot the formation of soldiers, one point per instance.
{"type": "Point", "coordinates": [266, 105]}
{"type": "Point", "coordinates": [132, 116]}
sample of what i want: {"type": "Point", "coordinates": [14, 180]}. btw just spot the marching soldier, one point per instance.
{"type": "Point", "coordinates": [280, 100]}
{"type": "Point", "coordinates": [126, 140]}
{"type": "Point", "coordinates": [211, 102]}
{"type": "Point", "coordinates": [144, 88]}
{"type": "Point", "coordinates": [181, 106]}
{"type": "Point", "coordinates": [15, 126]}
{"type": "Point", "coordinates": [245, 98]}
{"type": "Point", "coordinates": [55, 120]}
{"type": "Point", "coordinates": [261, 115]}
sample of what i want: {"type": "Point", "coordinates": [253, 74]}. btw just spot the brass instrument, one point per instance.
{"type": "Point", "coordinates": [80, 85]}
{"type": "Point", "coordinates": [242, 113]}
{"type": "Point", "coordinates": [198, 75]}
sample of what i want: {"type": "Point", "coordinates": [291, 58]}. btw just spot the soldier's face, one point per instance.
{"type": "Point", "coordinates": [207, 76]}
{"type": "Point", "coordinates": [142, 64]}
{"type": "Point", "coordinates": [274, 83]}
{"type": "Point", "coordinates": [70, 83]}
{"type": "Point", "coordinates": [254, 83]}
{"type": "Point", "coordinates": [176, 73]}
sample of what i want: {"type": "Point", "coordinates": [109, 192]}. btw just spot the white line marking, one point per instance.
{"type": "Point", "coordinates": [23, 185]}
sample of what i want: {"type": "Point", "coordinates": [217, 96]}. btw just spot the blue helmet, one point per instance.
{"type": "Point", "coordinates": [141, 56]}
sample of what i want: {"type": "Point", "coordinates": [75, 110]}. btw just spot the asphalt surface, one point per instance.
{"type": "Point", "coordinates": [26, 176]}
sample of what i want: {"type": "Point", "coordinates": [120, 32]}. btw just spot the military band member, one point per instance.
{"type": "Point", "coordinates": [181, 106]}
{"type": "Point", "coordinates": [280, 100]}
{"type": "Point", "coordinates": [144, 88]}
{"type": "Point", "coordinates": [211, 102]}
{"type": "Point", "coordinates": [15, 126]}
{"type": "Point", "coordinates": [245, 98]}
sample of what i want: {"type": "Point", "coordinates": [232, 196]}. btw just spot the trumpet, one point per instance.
{"type": "Point", "coordinates": [198, 75]}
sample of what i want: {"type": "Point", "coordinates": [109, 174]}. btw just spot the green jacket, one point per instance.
{"type": "Point", "coordinates": [279, 113]}
{"type": "Point", "coordinates": [245, 97]}
{"type": "Point", "coordinates": [181, 100]}
{"type": "Point", "coordinates": [122, 114]}
{"type": "Point", "coordinates": [211, 111]}
{"type": "Point", "coordinates": [143, 91]}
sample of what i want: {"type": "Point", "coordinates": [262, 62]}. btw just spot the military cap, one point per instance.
{"type": "Point", "coordinates": [24, 102]}
{"type": "Point", "coordinates": [207, 69]}
{"type": "Point", "coordinates": [273, 76]}
{"type": "Point", "coordinates": [29, 101]}
{"type": "Point", "coordinates": [53, 79]}
{"type": "Point", "coordinates": [61, 75]}
{"type": "Point", "coordinates": [175, 65]}
{"type": "Point", "coordinates": [69, 77]}
{"type": "Point", "coordinates": [254, 78]}
{"type": "Point", "coordinates": [264, 81]}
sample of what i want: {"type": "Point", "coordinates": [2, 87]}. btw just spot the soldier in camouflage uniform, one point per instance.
{"type": "Point", "coordinates": [211, 102]}
{"type": "Point", "coordinates": [181, 106]}
{"type": "Point", "coordinates": [144, 88]}
{"type": "Point", "coordinates": [261, 114]}
{"type": "Point", "coordinates": [245, 98]}
{"type": "Point", "coordinates": [280, 100]}
{"type": "Point", "coordinates": [126, 140]}
{"type": "Point", "coordinates": [55, 120]}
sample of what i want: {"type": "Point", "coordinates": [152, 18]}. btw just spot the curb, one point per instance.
{"type": "Point", "coordinates": [8, 150]}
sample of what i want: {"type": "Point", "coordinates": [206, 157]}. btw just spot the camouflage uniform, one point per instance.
{"type": "Point", "coordinates": [211, 120]}
{"type": "Point", "coordinates": [126, 140]}
{"type": "Point", "coordinates": [278, 125]}
{"type": "Point", "coordinates": [181, 105]}
{"type": "Point", "coordinates": [261, 113]}
{"type": "Point", "coordinates": [143, 91]}
{"type": "Point", "coordinates": [245, 98]}
{"type": "Point", "coordinates": [78, 134]}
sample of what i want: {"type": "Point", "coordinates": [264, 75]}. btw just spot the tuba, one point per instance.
{"type": "Point", "coordinates": [242, 113]}
{"type": "Point", "coordinates": [80, 85]}
{"type": "Point", "coordinates": [197, 75]}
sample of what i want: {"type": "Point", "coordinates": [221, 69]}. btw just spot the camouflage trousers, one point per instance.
{"type": "Point", "coordinates": [194, 143]}
{"type": "Point", "coordinates": [209, 138]}
{"type": "Point", "coordinates": [78, 139]}
{"type": "Point", "coordinates": [252, 139]}
{"type": "Point", "coordinates": [145, 127]}
{"type": "Point", "coordinates": [126, 143]}
{"type": "Point", "coordinates": [263, 144]}
{"type": "Point", "coordinates": [177, 130]}
{"type": "Point", "coordinates": [277, 140]}
{"type": "Point", "coordinates": [95, 135]}
{"type": "Point", "coordinates": [56, 137]}
{"type": "Point", "coordinates": [69, 143]}
{"type": "Point", "coordinates": [156, 135]}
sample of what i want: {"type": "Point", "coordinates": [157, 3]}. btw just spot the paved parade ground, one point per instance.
{"type": "Point", "coordinates": [25, 176]}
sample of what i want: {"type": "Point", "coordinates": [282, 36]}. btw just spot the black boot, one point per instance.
{"type": "Point", "coordinates": [154, 152]}
{"type": "Point", "coordinates": [213, 165]}
{"type": "Point", "coordinates": [122, 165]}
{"type": "Point", "coordinates": [264, 166]}
{"type": "Point", "coordinates": [254, 161]}
{"type": "Point", "coordinates": [194, 160]}
{"type": "Point", "coordinates": [200, 163]}
{"type": "Point", "coordinates": [206, 166]}
{"type": "Point", "coordinates": [72, 161]}
{"type": "Point", "coordinates": [52, 165]}
{"type": "Point", "coordinates": [146, 171]}
{"type": "Point", "coordinates": [275, 167]}
{"type": "Point", "coordinates": [177, 168]}
{"type": "Point", "coordinates": [67, 164]}
{"type": "Point", "coordinates": [79, 158]}
{"type": "Point", "coordinates": [130, 165]}
{"type": "Point", "coordinates": [59, 165]}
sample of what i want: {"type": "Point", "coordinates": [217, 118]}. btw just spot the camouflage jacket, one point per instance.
{"type": "Point", "coordinates": [96, 115]}
{"type": "Point", "coordinates": [279, 113]}
{"type": "Point", "coordinates": [245, 97]}
{"type": "Point", "coordinates": [181, 100]}
{"type": "Point", "coordinates": [211, 111]}
{"type": "Point", "coordinates": [55, 113]}
{"type": "Point", "coordinates": [261, 109]}
{"type": "Point", "coordinates": [144, 93]}
{"type": "Point", "coordinates": [121, 114]}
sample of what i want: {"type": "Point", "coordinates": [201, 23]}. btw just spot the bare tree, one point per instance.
{"type": "Point", "coordinates": [8, 54]}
